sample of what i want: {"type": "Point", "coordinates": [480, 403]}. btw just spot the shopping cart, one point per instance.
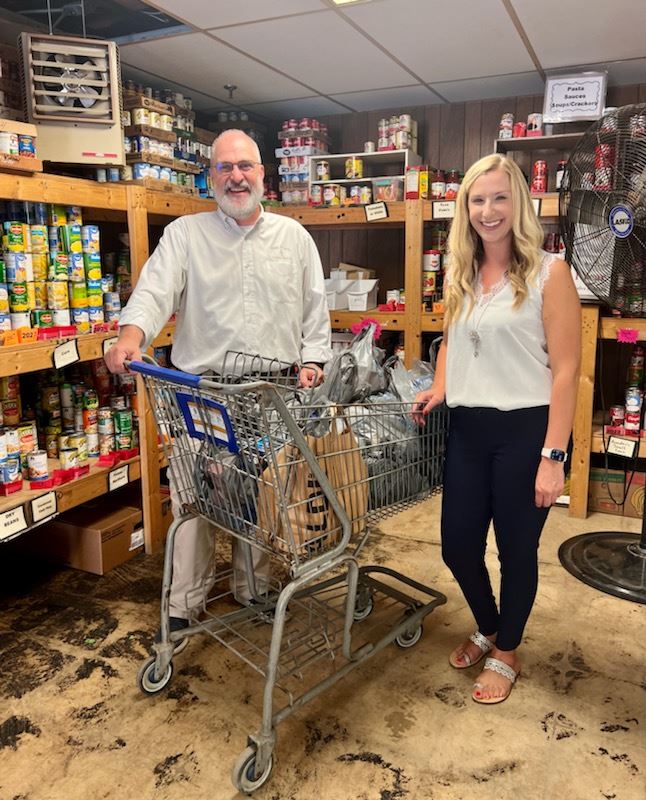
{"type": "Point", "coordinates": [303, 483]}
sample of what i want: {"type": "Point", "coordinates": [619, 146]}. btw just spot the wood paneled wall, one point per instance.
{"type": "Point", "coordinates": [449, 136]}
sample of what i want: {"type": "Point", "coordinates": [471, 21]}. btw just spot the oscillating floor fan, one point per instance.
{"type": "Point", "coordinates": [602, 208]}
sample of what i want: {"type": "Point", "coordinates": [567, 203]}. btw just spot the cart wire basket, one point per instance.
{"type": "Point", "coordinates": [303, 484]}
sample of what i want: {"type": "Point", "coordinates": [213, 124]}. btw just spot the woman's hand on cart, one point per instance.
{"type": "Point", "coordinates": [425, 402]}
{"type": "Point", "coordinates": [310, 375]}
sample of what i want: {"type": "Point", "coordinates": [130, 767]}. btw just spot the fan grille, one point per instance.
{"type": "Point", "coordinates": [602, 206]}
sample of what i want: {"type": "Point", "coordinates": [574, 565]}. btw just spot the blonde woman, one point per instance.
{"type": "Point", "coordinates": [507, 369]}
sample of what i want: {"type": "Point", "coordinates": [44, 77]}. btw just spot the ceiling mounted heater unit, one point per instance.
{"type": "Point", "coordinates": [72, 94]}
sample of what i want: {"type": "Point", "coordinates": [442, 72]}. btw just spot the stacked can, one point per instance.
{"type": "Point", "coordinates": [18, 272]}
{"type": "Point", "coordinates": [539, 177]}
{"type": "Point", "coordinates": [604, 161]}
{"type": "Point", "coordinates": [91, 421]}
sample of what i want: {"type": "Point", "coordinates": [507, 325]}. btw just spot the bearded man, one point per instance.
{"type": "Point", "coordinates": [238, 279]}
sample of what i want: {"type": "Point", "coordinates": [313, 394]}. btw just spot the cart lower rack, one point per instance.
{"type": "Point", "coordinates": [303, 485]}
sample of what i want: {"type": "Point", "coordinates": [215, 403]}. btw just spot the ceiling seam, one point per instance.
{"type": "Point", "coordinates": [513, 16]}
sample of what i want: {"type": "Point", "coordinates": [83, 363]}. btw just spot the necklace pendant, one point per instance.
{"type": "Point", "coordinates": [474, 336]}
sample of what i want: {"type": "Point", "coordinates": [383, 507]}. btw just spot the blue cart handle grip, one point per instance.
{"type": "Point", "coordinates": [170, 375]}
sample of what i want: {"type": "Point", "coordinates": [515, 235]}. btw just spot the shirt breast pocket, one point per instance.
{"type": "Point", "coordinates": [283, 277]}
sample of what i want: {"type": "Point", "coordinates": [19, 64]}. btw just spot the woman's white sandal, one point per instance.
{"type": "Point", "coordinates": [495, 665]}
{"type": "Point", "coordinates": [480, 641]}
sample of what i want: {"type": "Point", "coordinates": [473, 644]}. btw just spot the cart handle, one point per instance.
{"type": "Point", "coordinates": [172, 375]}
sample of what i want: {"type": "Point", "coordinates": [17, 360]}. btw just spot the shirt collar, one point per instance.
{"type": "Point", "coordinates": [232, 225]}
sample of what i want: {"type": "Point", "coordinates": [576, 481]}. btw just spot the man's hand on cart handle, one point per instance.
{"type": "Point", "coordinates": [425, 402]}
{"type": "Point", "coordinates": [310, 375]}
{"type": "Point", "coordinates": [126, 348]}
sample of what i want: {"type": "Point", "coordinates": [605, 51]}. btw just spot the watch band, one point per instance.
{"type": "Point", "coordinates": [554, 454]}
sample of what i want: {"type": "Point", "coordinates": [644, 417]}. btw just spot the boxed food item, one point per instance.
{"type": "Point", "coordinates": [387, 189]}
{"type": "Point", "coordinates": [362, 295]}
{"type": "Point", "coordinates": [352, 272]}
{"type": "Point", "coordinates": [603, 482]}
{"type": "Point", "coordinates": [92, 537]}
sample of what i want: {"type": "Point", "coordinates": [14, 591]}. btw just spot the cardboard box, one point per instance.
{"type": "Point", "coordinates": [634, 505]}
{"type": "Point", "coordinates": [352, 272]}
{"type": "Point", "coordinates": [598, 494]}
{"type": "Point", "coordinates": [92, 537]}
{"type": "Point", "coordinates": [362, 295]}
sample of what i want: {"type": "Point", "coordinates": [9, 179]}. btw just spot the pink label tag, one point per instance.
{"type": "Point", "coordinates": [627, 335]}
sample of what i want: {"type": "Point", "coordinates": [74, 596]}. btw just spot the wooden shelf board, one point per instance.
{"type": "Point", "coordinates": [24, 358]}
{"type": "Point", "coordinates": [60, 190]}
{"type": "Point", "coordinates": [75, 492]}
{"type": "Point", "coordinates": [346, 216]}
{"type": "Point", "coordinates": [20, 164]}
{"type": "Point", "coordinates": [432, 323]}
{"type": "Point", "coordinates": [173, 204]}
{"type": "Point", "coordinates": [153, 133]}
{"type": "Point", "coordinates": [560, 141]}
{"type": "Point", "coordinates": [22, 128]}
{"type": "Point", "coordinates": [611, 325]}
{"type": "Point", "coordinates": [597, 442]}
{"type": "Point", "coordinates": [392, 321]}
{"type": "Point", "coordinates": [165, 337]}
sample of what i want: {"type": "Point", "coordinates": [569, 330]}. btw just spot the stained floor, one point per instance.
{"type": "Point", "coordinates": [73, 724]}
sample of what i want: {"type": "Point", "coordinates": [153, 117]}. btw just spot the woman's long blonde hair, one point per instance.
{"type": "Point", "coordinates": [465, 245]}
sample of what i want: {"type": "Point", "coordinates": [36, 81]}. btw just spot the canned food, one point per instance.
{"type": "Point", "coordinates": [140, 116]}
{"type": "Point", "coordinates": [155, 119]}
{"type": "Point", "coordinates": [633, 398]}
{"type": "Point", "coordinates": [92, 266]}
{"type": "Point", "coordinates": [68, 457]}
{"type": "Point", "coordinates": [17, 237]}
{"type": "Point", "coordinates": [122, 421]}
{"type": "Point", "coordinates": [75, 270]}
{"type": "Point", "coordinates": [78, 294]}
{"type": "Point", "coordinates": [57, 295]}
{"type": "Point", "coordinates": [10, 470]}
{"type": "Point", "coordinates": [392, 295]}
{"type": "Point", "coordinates": [42, 319]}
{"type": "Point", "coordinates": [74, 216]}
{"type": "Point", "coordinates": [432, 260]}
{"type": "Point", "coordinates": [316, 194]}
{"type": "Point", "coordinates": [322, 170]}
{"type": "Point", "coordinates": [429, 283]}
{"type": "Point", "coordinates": [90, 239]}
{"type": "Point", "coordinates": [332, 194]}
{"type": "Point", "coordinates": [106, 444]}
{"type": "Point", "coordinates": [117, 402]}
{"type": "Point", "coordinates": [37, 465]}
{"type": "Point", "coordinates": [535, 124]}
{"type": "Point", "coordinates": [519, 130]}
{"type": "Point", "coordinates": [101, 175]}
{"type": "Point", "coordinates": [105, 420]}
{"type": "Point", "coordinates": [81, 319]}
{"type": "Point", "coordinates": [10, 413]}
{"type": "Point", "coordinates": [123, 441]}
{"type": "Point", "coordinates": [631, 420]}
{"type": "Point", "coordinates": [405, 123]}
{"type": "Point", "coordinates": [40, 265]}
{"type": "Point", "coordinates": [8, 143]}
{"type": "Point", "coordinates": [78, 441]}
{"type": "Point", "coordinates": [366, 195]}
{"type": "Point", "coordinates": [505, 129]}
{"type": "Point", "coordinates": [92, 444]}
{"type": "Point", "coordinates": [617, 416]}
{"type": "Point", "coordinates": [96, 315]}
{"type": "Point", "coordinates": [355, 195]}
{"type": "Point", "coordinates": [18, 297]}
{"type": "Point", "coordinates": [369, 147]}
{"type": "Point", "coordinates": [90, 420]}
{"type": "Point", "coordinates": [354, 167]}
{"type": "Point", "coordinates": [19, 267]}
{"type": "Point", "coordinates": [26, 146]}
{"type": "Point", "coordinates": [4, 298]}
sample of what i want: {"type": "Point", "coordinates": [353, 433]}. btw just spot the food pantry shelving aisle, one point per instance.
{"type": "Point", "coordinates": [137, 207]}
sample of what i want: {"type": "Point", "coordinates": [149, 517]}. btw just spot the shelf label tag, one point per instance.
{"type": "Point", "coordinates": [376, 211]}
{"type": "Point", "coordinates": [108, 343]}
{"type": "Point", "coordinates": [66, 353]}
{"type": "Point", "coordinates": [12, 522]}
{"type": "Point", "coordinates": [536, 202]}
{"type": "Point", "coordinates": [622, 447]}
{"type": "Point", "coordinates": [118, 478]}
{"type": "Point", "coordinates": [443, 209]}
{"type": "Point", "coordinates": [43, 507]}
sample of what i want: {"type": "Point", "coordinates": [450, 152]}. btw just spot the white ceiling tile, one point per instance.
{"type": "Point", "coordinates": [401, 96]}
{"type": "Point", "coordinates": [321, 50]}
{"type": "Point", "coordinates": [303, 107]}
{"type": "Point", "coordinates": [206, 65]}
{"type": "Point", "coordinates": [209, 14]}
{"type": "Point", "coordinates": [564, 32]}
{"type": "Point", "coordinates": [443, 41]}
{"type": "Point", "coordinates": [489, 88]}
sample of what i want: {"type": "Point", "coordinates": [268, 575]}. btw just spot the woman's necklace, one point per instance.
{"type": "Point", "coordinates": [474, 335]}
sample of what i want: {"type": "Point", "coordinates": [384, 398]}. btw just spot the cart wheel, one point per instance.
{"type": "Point", "coordinates": [363, 607]}
{"type": "Point", "coordinates": [242, 774]}
{"type": "Point", "coordinates": [409, 639]}
{"type": "Point", "coordinates": [146, 677]}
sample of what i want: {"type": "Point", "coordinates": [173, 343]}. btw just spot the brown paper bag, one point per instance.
{"type": "Point", "coordinates": [290, 497]}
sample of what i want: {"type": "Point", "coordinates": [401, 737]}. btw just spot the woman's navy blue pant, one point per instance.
{"type": "Point", "coordinates": [491, 462]}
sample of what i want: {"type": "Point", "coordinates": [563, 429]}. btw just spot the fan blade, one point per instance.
{"type": "Point", "coordinates": [91, 96]}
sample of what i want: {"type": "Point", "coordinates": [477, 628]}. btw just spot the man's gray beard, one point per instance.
{"type": "Point", "coordinates": [233, 209]}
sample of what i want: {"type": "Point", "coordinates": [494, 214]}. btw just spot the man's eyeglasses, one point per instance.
{"type": "Point", "coordinates": [226, 167]}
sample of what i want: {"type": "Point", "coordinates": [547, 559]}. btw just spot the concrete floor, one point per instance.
{"type": "Point", "coordinates": [73, 724]}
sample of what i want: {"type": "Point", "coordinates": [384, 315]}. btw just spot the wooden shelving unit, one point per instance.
{"type": "Point", "coordinates": [559, 141]}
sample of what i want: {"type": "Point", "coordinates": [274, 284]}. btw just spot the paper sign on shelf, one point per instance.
{"type": "Point", "coordinates": [443, 209]}
{"type": "Point", "coordinates": [108, 343]}
{"type": "Point", "coordinates": [376, 211]}
{"type": "Point", "coordinates": [118, 478]}
{"type": "Point", "coordinates": [65, 354]}
{"type": "Point", "coordinates": [622, 447]}
{"type": "Point", "coordinates": [12, 522]}
{"type": "Point", "coordinates": [44, 506]}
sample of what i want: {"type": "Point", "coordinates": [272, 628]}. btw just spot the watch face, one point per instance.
{"type": "Point", "coordinates": [557, 455]}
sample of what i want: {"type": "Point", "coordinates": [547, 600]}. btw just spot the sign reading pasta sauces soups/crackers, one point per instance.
{"type": "Point", "coordinates": [574, 97]}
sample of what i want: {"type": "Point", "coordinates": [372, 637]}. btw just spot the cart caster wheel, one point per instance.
{"type": "Point", "coordinates": [146, 677]}
{"type": "Point", "coordinates": [363, 608]}
{"type": "Point", "coordinates": [407, 639]}
{"type": "Point", "coordinates": [242, 774]}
